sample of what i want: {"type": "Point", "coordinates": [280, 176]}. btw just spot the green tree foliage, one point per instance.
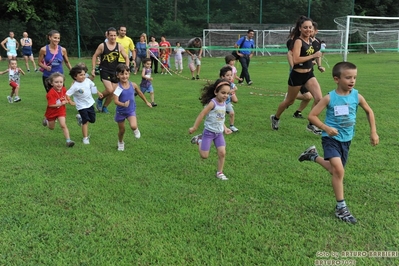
{"type": "Point", "coordinates": [177, 18]}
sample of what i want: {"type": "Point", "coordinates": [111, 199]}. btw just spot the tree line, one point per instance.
{"type": "Point", "coordinates": [174, 18]}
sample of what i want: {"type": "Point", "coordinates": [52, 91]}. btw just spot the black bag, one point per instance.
{"type": "Point", "coordinates": [235, 55]}
{"type": "Point", "coordinates": [235, 51]}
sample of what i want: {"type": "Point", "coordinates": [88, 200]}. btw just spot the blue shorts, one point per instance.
{"type": "Point", "coordinates": [149, 89]}
{"type": "Point", "coordinates": [208, 137]}
{"type": "Point", "coordinates": [120, 117]}
{"type": "Point", "coordinates": [299, 79]}
{"type": "Point", "coordinates": [88, 115]}
{"type": "Point", "coordinates": [334, 148]}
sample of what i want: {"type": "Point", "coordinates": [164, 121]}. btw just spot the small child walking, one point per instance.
{"type": "Point", "coordinates": [125, 104]}
{"type": "Point", "coordinates": [338, 130]}
{"type": "Point", "coordinates": [146, 85]}
{"type": "Point", "coordinates": [213, 99]}
{"type": "Point", "coordinates": [82, 90]}
{"type": "Point", "coordinates": [231, 61]}
{"type": "Point", "coordinates": [56, 101]}
{"type": "Point", "coordinates": [227, 74]}
{"type": "Point", "coordinates": [164, 56]}
{"type": "Point", "coordinates": [179, 57]}
{"type": "Point", "coordinates": [14, 80]}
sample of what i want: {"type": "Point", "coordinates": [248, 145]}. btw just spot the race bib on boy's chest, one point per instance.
{"type": "Point", "coordinates": [340, 110]}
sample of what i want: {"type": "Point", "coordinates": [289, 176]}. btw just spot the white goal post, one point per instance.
{"type": "Point", "coordinates": [363, 25]}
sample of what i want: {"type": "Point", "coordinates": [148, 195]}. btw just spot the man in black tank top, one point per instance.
{"type": "Point", "coordinates": [109, 53]}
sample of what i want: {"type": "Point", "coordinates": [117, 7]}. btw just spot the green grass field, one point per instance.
{"type": "Point", "coordinates": [158, 203]}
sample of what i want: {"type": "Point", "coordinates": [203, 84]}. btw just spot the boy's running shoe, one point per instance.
{"type": "Point", "coordinates": [345, 215]}
{"type": "Point", "coordinates": [309, 155]}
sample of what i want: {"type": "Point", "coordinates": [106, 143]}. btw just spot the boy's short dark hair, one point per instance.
{"type": "Point", "coordinates": [341, 66]}
{"type": "Point", "coordinates": [145, 60]}
{"type": "Point", "coordinates": [75, 71]}
{"type": "Point", "coordinates": [229, 58]}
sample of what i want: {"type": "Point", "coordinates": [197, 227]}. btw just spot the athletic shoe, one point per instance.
{"type": "Point", "coordinates": [36, 70]}
{"type": "Point", "coordinates": [197, 77]}
{"type": "Point", "coordinates": [309, 155]}
{"type": "Point", "coordinates": [192, 78]}
{"type": "Point", "coordinates": [154, 104]}
{"type": "Point", "coordinates": [274, 122]}
{"type": "Point", "coordinates": [250, 82]}
{"type": "Point", "coordinates": [28, 70]}
{"type": "Point", "coordinates": [17, 99]}
{"type": "Point", "coordinates": [345, 215]}
{"type": "Point", "coordinates": [9, 98]}
{"type": "Point", "coordinates": [45, 122]}
{"type": "Point", "coordinates": [233, 128]}
{"type": "Point", "coordinates": [195, 139]}
{"type": "Point", "coordinates": [121, 146]}
{"type": "Point", "coordinates": [79, 119]}
{"type": "Point", "coordinates": [86, 140]}
{"type": "Point", "coordinates": [105, 110]}
{"type": "Point", "coordinates": [137, 133]}
{"type": "Point", "coordinates": [221, 176]}
{"type": "Point", "coordinates": [240, 81]}
{"type": "Point", "coordinates": [298, 115]}
{"type": "Point", "coordinates": [70, 143]}
{"type": "Point", "coordinates": [312, 128]}
{"type": "Point", "coordinates": [99, 105]}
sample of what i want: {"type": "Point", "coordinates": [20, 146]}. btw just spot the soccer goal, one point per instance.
{"type": "Point", "coordinates": [220, 42]}
{"type": "Point", "coordinates": [357, 29]}
{"type": "Point", "coordinates": [274, 41]}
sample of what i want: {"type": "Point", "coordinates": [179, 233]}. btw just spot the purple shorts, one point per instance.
{"type": "Point", "coordinates": [120, 117]}
{"type": "Point", "coordinates": [208, 137]}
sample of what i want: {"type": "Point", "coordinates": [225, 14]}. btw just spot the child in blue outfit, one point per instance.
{"type": "Point", "coordinates": [125, 104]}
{"type": "Point", "coordinates": [338, 131]}
{"type": "Point", "coordinates": [146, 85]}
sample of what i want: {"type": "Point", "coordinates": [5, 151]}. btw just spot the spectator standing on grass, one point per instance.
{"type": "Point", "coordinates": [154, 54]}
{"type": "Point", "coordinates": [213, 99]}
{"type": "Point", "coordinates": [125, 104]}
{"type": "Point", "coordinates": [81, 91]}
{"type": "Point", "coordinates": [51, 57]}
{"type": "Point", "coordinates": [194, 51]}
{"type": "Point", "coordinates": [14, 80]}
{"type": "Point", "coordinates": [338, 130]}
{"type": "Point", "coordinates": [11, 45]}
{"type": "Point", "coordinates": [109, 53]}
{"type": "Point", "coordinates": [141, 52]}
{"type": "Point", "coordinates": [303, 55]}
{"type": "Point", "coordinates": [245, 50]}
{"type": "Point", "coordinates": [56, 101]}
{"type": "Point", "coordinates": [128, 46]}
{"type": "Point", "coordinates": [27, 53]}
{"type": "Point", "coordinates": [179, 57]}
{"type": "Point", "coordinates": [165, 45]}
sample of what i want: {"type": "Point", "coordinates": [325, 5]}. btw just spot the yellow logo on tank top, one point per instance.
{"type": "Point", "coordinates": [111, 57]}
{"type": "Point", "coordinates": [310, 50]}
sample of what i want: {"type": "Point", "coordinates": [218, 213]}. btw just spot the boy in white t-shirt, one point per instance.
{"type": "Point", "coordinates": [82, 90]}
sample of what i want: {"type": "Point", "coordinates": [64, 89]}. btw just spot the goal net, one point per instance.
{"type": "Point", "coordinates": [219, 42]}
{"type": "Point", "coordinates": [369, 34]}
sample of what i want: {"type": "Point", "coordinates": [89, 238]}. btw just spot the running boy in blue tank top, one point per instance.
{"type": "Point", "coordinates": [338, 131]}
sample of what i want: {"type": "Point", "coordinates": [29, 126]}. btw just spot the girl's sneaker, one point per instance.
{"type": "Point", "coordinates": [121, 146]}
{"type": "Point", "coordinates": [195, 139]}
{"type": "Point", "coordinates": [17, 99]}
{"type": "Point", "coordinates": [9, 99]}
{"type": "Point", "coordinates": [221, 176]}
